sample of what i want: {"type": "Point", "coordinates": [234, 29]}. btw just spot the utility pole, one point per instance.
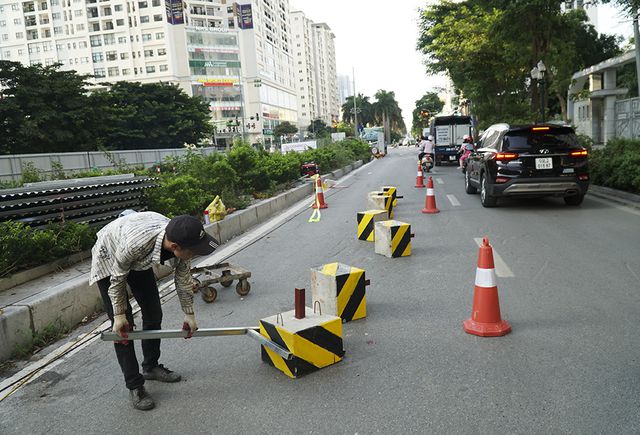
{"type": "Point", "coordinates": [636, 37]}
{"type": "Point", "coordinates": [355, 108]}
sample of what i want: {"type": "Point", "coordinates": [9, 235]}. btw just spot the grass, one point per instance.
{"type": "Point", "coordinates": [40, 339]}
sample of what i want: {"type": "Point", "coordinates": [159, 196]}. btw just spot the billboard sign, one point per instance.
{"type": "Point", "coordinates": [245, 17]}
{"type": "Point", "coordinates": [175, 11]}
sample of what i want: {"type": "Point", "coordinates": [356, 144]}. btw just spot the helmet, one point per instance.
{"type": "Point", "coordinates": [466, 138]}
{"type": "Point", "coordinates": [430, 137]}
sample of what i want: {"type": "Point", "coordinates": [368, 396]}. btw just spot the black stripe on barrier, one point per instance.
{"type": "Point", "coordinates": [324, 339]}
{"type": "Point", "coordinates": [354, 301]}
{"type": "Point", "coordinates": [341, 280]}
{"type": "Point", "coordinates": [404, 242]}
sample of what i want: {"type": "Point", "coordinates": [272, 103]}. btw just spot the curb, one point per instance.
{"type": "Point", "coordinates": [73, 300]}
{"type": "Point", "coordinates": [619, 196]}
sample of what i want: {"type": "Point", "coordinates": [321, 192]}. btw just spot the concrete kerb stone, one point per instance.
{"type": "Point", "coordinates": [348, 169]}
{"type": "Point", "coordinates": [229, 227]}
{"type": "Point", "coordinates": [357, 164]}
{"type": "Point", "coordinates": [338, 173]}
{"type": "Point", "coordinates": [248, 219]}
{"type": "Point", "coordinates": [263, 210]}
{"type": "Point", "coordinates": [68, 303]}
{"type": "Point", "coordinates": [15, 329]}
{"type": "Point", "coordinates": [619, 196]}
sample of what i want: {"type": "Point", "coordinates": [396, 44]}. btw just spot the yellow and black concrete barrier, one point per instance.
{"type": "Point", "coordinates": [366, 221]}
{"type": "Point", "coordinates": [393, 191]}
{"type": "Point", "coordinates": [380, 200]}
{"type": "Point", "coordinates": [340, 290]}
{"type": "Point", "coordinates": [393, 238]}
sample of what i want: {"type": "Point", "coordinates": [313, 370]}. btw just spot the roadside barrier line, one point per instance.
{"type": "Point", "coordinates": [502, 270]}
{"type": "Point", "coordinates": [167, 292]}
{"type": "Point", "coordinates": [453, 200]}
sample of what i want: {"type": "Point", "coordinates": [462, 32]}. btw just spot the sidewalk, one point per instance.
{"type": "Point", "coordinates": [66, 296]}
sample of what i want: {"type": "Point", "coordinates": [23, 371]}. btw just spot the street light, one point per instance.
{"type": "Point", "coordinates": [537, 73]}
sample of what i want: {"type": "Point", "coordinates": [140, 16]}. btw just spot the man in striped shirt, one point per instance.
{"type": "Point", "coordinates": [124, 253]}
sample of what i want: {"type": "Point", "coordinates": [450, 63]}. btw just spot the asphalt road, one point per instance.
{"type": "Point", "coordinates": [569, 285]}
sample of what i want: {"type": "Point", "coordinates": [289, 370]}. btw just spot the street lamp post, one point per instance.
{"type": "Point", "coordinates": [538, 73]}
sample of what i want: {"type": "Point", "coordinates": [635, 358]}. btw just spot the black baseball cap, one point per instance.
{"type": "Point", "coordinates": [188, 232]}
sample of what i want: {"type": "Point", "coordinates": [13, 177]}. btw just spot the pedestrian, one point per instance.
{"type": "Point", "coordinates": [124, 253]}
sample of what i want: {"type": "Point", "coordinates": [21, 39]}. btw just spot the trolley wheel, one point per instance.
{"type": "Point", "coordinates": [243, 287]}
{"type": "Point", "coordinates": [209, 294]}
{"type": "Point", "coordinates": [196, 285]}
{"type": "Point", "coordinates": [226, 282]}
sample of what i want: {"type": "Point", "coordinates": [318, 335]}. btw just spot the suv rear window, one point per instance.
{"type": "Point", "coordinates": [524, 140]}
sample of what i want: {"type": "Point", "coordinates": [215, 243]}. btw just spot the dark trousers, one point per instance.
{"type": "Point", "coordinates": [145, 290]}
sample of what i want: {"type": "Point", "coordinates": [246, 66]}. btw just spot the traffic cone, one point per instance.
{"type": "Point", "coordinates": [420, 177]}
{"type": "Point", "coordinates": [485, 318]}
{"type": "Point", "coordinates": [430, 200]}
{"type": "Point", "coordinates": [319, 202]}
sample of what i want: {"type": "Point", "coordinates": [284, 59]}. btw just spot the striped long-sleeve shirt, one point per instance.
{"type": "Point", "coordinates": [134, 242]}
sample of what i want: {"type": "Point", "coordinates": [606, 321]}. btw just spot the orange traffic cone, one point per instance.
{"type": "Point", "coordinates": [430, 200]}
{"type": "Point", "coordinates": [420, 177]}
{"type": "Point", "coordinates": [319, 202]}
{"type": "Point", "coordinates": [485, 318]}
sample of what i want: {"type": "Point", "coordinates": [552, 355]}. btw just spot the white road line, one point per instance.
{"type": "Point", "coordinates": [502, 270]}
{"type": "Point", "coordinates": [453, 200]}
{"type": "Point", "coordinates": [439, 180]}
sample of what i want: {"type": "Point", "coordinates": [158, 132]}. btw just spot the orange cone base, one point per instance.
{"type": "Point", "coordinates": [321, 206]}
{"type": "Point", "coordinates": [430, 211]}
{"type": "Point", "coordinates": [497, 329]}
{"type": "Point", "coordinates": [420, 184]}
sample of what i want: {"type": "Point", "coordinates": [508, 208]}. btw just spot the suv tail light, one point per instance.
{"type": "Point", "coordinates": [583, 177]}
{"type": "Point", "coordinates": [506, 156]}
{"type": "Point", "coordinates": [582, 153]}
{"type": "Point", "coordinates": [501, 180]}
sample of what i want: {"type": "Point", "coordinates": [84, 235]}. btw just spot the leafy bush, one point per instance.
{"type": "Point", "coordinates": [178, 194]}
{"type": "Point", "coordinates": [22, 247]}
{"type": "Point", "coordinates": [617, 165]}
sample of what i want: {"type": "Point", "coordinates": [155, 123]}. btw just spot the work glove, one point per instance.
{"type": "Point", "coordinates": [121, 327]}
{"type": "Point", "coordinates": [190, 324]}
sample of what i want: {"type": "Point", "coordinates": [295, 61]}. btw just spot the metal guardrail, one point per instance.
{"type": "Point", "coordinates": [94, 201]}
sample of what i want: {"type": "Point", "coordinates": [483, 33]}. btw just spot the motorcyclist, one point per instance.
{"type": "Point", "coordinates": [426, 147]}
{"type": "Point", "coordinates": [466, 149]}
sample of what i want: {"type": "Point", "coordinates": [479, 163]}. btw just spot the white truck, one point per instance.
{"type": "Point", "coordinates": [448, 133]}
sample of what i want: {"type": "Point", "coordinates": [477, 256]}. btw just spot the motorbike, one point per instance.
{"type": "Point", "coordinates": [427, 163]}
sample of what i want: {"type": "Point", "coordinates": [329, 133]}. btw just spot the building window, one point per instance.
{"type": "Point", "coordinates": [113, 71]}
{"type": "Point", "coordinates": [155, 3]}
{"type": "Point", "coordinates": [119, 22]}
{"type": "Point", "coordinates": [82, 44]}
{"type": "Point", "coordinates": [57, 30]}
{"type": "Point", "coordinates": [162, 51]}
{"type": "Point", "coordinates": [7, 54]}
{"type": "Point", "coordinates": [142, 5]}
{"type": "Point", "coordinates": [107, 25]}
{"type": "Point", "coordinates": [117, 8]}
{"type": "Point", "coordinates": [109, 39]}
{"type": "Point", "coordinates": [122, 40]}
{"type": "Point", "coordinates": [151, 69]}
{"type": "Point", "coordinates": [164, 67]}
{"type": "Point", "coordinates": [124, 56]}
{"type": "Point", "coordinates": [3, 23]}
{"type": "Point", "coordinates": [148, 53]}
{"type": "Point", "coordinates": [146, 37]}
{"type": "Point", "coordinates": [157, 17]}
{"type": "Point", "coordinates": [79, 27]}
{"type": "Point", "coordinates": [97, 57]}
{"type": "Point", "coordinates": [126, 71]}
{"type": "Point", "coordinates": [78, 13]}
{"type": "Point", "coordinates": [18, 21]}
{"type": "Point", "coordinates": [144, 19]}
{"type": "Point", "coordinates": [95, 27]}
{"type": "Point", "coordinates": [99, 73]}
{"type": "Point", "coordinates": [160, 35]}
{"type": "Point", "coordinates": [5, 37]}
{"type": "Point", "coordinates": [112, 55]}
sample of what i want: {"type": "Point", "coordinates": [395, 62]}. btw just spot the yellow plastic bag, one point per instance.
{"type": "Point", "coordinates": [217, 210]}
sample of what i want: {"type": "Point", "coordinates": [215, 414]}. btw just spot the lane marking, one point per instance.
{"type": "Point", "coordinates": [453, 200]}
{"type": "Point", "coordinates": [439, 180]}
{"type": "Point", "coordinates": [502, 270]}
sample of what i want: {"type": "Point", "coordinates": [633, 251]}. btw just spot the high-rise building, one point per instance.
{"type": "Point", "coordinates": [345, 88]}
{"type": "Point", "coordinates": [315, 69]}
{"type": "Point", "coordinates": [266, 47]}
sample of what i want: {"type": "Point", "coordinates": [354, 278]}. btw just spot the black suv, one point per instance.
{"type": "Point", "coordinates": [532, 160]}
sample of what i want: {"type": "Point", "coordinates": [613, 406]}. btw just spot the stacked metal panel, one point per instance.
{"type": "Point", "coordinates": [95, 201]}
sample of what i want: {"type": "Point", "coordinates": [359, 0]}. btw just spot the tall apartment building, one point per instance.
{"type": "Point", "coordinates": [345, 88]}
{"type": "Point", "coordinates": [316, 78]}
{"type": "Point", "coordinates": [266, 49]}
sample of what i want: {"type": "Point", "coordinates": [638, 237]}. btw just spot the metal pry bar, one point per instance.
{"type": "Point", "coordinates": [252, 331]}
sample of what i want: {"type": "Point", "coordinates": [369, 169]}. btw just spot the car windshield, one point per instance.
{"type": "Point", "coordinates": [526, 140]}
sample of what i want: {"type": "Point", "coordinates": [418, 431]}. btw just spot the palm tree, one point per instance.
{"type": "Point", "coordinates": [365, 110]}
{"type": "Point", "coordinates": [387, 111]}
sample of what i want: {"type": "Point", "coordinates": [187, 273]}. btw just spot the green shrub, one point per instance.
{"type": "Point", "coordinates": [178, 194]}
{"type": "Point", "coordinates": [617, 165]}
{"type": "Point", "coordinates": [31, 174]}
{"type": "Point", "coordinates": [22, 247]}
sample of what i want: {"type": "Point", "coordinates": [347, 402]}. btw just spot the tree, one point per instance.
{"type": "Point", "coordinates": [387, 112]}
{"type": "Point", "coordinates": [153, 115]}
{"type": "Point", "coordinates": [285, 128]}
{"type": "Point", "coordinates": [364, 107]}
{"type": "Point", "coordinates": [429, 104]}
{"type": "Point", "coordinates": [319, 128]}
{"type": "Point", "coordinates": [43, 110]}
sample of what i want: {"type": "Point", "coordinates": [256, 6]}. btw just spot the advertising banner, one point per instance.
{"type": "Point", "coordinates": [298, 147]}
{"type": "Point", "coordinates": [175, 11]}
{"type": "Point", "coordinates": [245, 17]}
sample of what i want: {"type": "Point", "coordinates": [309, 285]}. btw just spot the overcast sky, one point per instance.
{"type": "Point", "coordinates": [378, 38]}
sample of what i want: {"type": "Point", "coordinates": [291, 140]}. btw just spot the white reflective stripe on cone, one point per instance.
{"type": "Point", "coordinates": [429, 192]}
{"type": "Point", "coordinates": [419, 174]}
{"type": "Point", "coordinates": [485, 277]}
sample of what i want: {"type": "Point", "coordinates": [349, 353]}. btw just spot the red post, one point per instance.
{"type": "Point", "coordinates": [299, 303]}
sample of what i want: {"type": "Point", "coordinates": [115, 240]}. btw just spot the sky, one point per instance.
{"type": "Point", "coordinates": [377, 39]}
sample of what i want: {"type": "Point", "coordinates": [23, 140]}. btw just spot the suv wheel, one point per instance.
{"type": "Point", "coordinates": [574, 199]}
{"type": "Point", "coordinates": [485, 199]}
{"type": "Point", "coordinates": [467, 184]}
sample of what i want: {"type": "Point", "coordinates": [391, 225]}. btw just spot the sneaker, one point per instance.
{"type": "Point", "coordinates": [141, 400]}
{"type": "Point", "coordinates": [162, 374]}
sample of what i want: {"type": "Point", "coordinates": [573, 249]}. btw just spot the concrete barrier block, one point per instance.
{"type": "Point", "coordinates": [229, 227]}
{"type": "Point", "coordinates": [68, 302]}
{"type": "Point", "coordinates": [248, 218]}
{"type": "Point", "coordinates": [348, 169]}
{"type": "Point", "coordinates": [357, 164]}
{"type": "Point", "coordinates": [213, 230]}
{"type": "Point", "coordinates": [279, 203]}
{"type": "Point", "coordinates": [338, 173]}
{"type": "Point", "coordinates": [264, 210]}
{"type": "Point", "coordinates": [15, 329]}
